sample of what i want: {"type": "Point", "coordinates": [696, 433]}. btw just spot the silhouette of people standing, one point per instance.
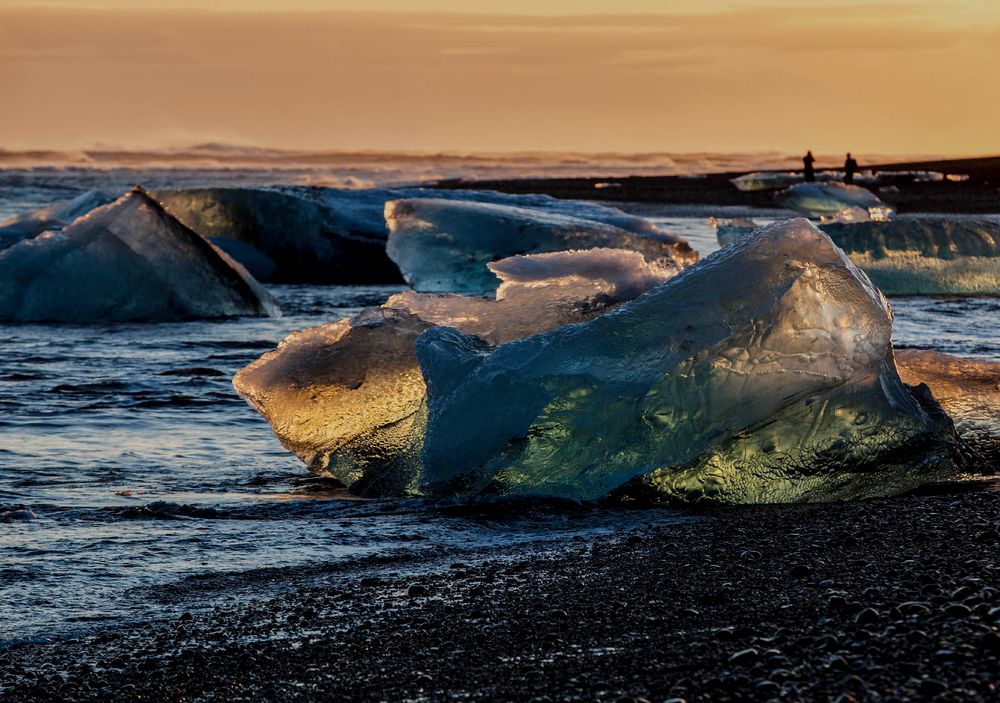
{"type": "Point", "coordinates": [850, 168]}
{"type": "Point", "coordinates": [807, 161]}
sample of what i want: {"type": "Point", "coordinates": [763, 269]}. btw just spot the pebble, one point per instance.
{"type": "Point", "coordinates": [744, 656]}
{"type": "Point", "coordinates": [867, 616]}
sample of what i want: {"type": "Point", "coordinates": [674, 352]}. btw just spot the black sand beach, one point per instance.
{"type": "Point", "coordinates": [980, 194]}
{"type": "Point", "coordinates": [879, 600]}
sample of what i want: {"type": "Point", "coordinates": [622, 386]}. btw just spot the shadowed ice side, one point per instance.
{"type": "Point", "coordinates": [348, 397]}
{"type": "Point", "coordinates": [126, 261]}
{"type": "Point", "coordinates": [764, 373]}
{"type": "Point", "coordinates": [445, 245]}
{"type": "Point", "coordinates": [913, 256]}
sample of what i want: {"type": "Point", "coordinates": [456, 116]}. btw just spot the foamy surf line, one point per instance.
{"type": "Point", "coordinates": [367, 168]}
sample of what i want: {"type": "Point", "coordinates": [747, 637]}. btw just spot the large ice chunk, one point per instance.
{"type": "Point", "coordinates": [129, 260]}
{"type": "Point", "coordinates": [833, 200]}
{"type": "Point", "coordinates": [762, 374]}
{"type": "Point", "coordinates": [968, 390]}
{"type": "Point", "coordinates": [348, 397]}
{"type": "Point", "coordinates": [443, 245]}
{"type": "Point", "coordinates": [50, 218]}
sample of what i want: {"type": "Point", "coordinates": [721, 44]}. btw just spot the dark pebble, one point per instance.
{"type": "Point", "coordinates": [744, 657]}
{"type": "Point", "coordinates": [867, 616]}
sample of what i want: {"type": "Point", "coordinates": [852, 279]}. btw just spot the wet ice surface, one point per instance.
{"type": "Point", "coordinates": [144, 467]}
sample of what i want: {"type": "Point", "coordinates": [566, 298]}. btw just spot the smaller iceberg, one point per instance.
{"type": "Point", "coordinates": [924, 256]}
{"type": "Point", "coordinates": [348, 397]}
{"type": "Point", "coordinates": [911, 256]}
{"type": "Point", "coordinates": [126, 261]}
{"type": "Point", "coordinates": [446, 245]}
{"type": "Point", "coordinates": [833, 201]}
{"type": "Point", "coordinates": [50, 218]}
{"type": "Point", "coordinates": [776, 180]}
{"type": "Point", "coordinates": [766, 180]}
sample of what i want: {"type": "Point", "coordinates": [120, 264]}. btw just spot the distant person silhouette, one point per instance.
{"type": "Point", "coordinates": [850, 168]}
{"type": "Point", "coordinates": [807, 161]}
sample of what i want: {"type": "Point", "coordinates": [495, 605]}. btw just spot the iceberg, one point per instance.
{"type": "Point", "coordinates": [775, 180]}
{"type": "Point", "coordinates": [126, 261]}
{"type": "Point", "coordinates": [348, 397]}
{"type": "Point", "coordinates": [912, 256]}
{"type": "Point", "coordinates": [444, 245]}
{"type": "Point", "coordinates": [968, 390]}
{"type": "Point", "coordinates": [766, 180]}
{"type": "Point", "coordinates": [332, 235]}
{"type": "Point", "coordinates": [51, 218]}
{"type": "Point", "coordinates": [762, 374]}
{"type": "Point", "coordinates": [830, 200]}
{"type": "Point", "coordinates": [925, 256]}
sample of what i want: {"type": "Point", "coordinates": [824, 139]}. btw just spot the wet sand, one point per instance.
{"type": "Point", "coordinates": [881, 600]}
{"type": "Point", "coordinates": [979, 195]}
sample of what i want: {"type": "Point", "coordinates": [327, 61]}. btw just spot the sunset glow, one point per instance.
{"type": "Point", "coordinates": [894, 77]}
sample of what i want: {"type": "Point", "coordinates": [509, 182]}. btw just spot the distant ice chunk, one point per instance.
{"type": "Point", "coordinates": [762, 374]}
{"type": "Point", "coordinates": [728, 231]}
{"type": "Point", "coordinates": [50, 218]}
{"type": "Point", "coordinates": [127, 261]}
{"type": "Point", "coordinates": [766, 180]}
{"type": "Point", "coordinates": [348, 397]}
{"type": "Point", "coordinates": [968, 390]}
{"type": "Point", "coordinates": [925, 256]}
{"type": "Point", "coordinates": [443, 245]}
{"type": "Point", "coordinates": [775, 180]}
{"type": "Point", "coordinates": [828, 200]}
{"type": "Point", "coordinates": [911, 256]}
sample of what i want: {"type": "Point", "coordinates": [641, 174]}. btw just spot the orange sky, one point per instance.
{"type": "Point", "coordinates": [892, 77]}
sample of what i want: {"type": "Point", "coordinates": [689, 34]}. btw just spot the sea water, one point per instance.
{"type": "Point", "coordinates": [130, 471]}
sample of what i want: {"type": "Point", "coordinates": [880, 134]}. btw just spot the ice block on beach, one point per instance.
{"type": "Point", "coordinates": [762, 374]}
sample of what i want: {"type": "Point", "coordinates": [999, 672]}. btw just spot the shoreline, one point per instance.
{"type": "Point", "coordinates": [979, 195]}
{"type": "Point", "coordinates": [885, 599]}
